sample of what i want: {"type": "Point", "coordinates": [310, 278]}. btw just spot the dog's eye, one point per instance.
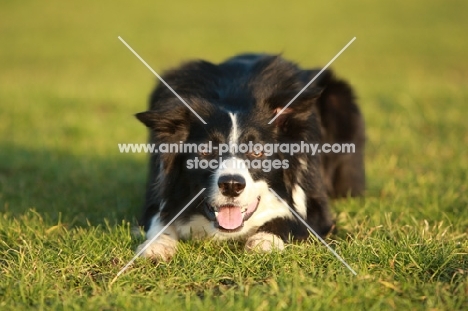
{"type": "Point", "coordinates": [256, 154]}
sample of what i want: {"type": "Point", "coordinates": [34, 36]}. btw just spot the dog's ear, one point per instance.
{"type": "Point", "coordinates": [299, 109]}
{"type": "Point", "coordinates": [168, 126]}
{"type": "Point", "coordinates": [147, 118]}
{"type": "Point", "coordinates": [282, 117]}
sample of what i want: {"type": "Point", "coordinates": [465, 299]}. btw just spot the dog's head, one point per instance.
{"type": "Point", "coordinates": [237, 102]}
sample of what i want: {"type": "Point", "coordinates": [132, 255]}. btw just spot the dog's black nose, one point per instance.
{"type": "Point", "coordinates": [231, 185]}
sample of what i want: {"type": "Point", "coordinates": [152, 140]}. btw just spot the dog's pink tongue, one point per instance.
{"type": "Point", "coordinates": [230, 217]}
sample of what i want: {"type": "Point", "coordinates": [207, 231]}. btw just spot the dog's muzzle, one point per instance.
{"type": "Point", "coordinates": [230, 217]}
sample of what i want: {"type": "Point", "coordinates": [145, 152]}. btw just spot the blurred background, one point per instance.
{"type": "Point", "coordinates": [69, 89]}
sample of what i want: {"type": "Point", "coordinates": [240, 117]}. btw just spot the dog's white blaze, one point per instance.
{"type": "Point", "coordinates": [234, 135]}
{"type": "Point", "coordinates": [232, 166]}
{"type": "Point", "coordinates": [300, 201]}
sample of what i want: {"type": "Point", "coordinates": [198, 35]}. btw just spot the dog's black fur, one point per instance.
{"type": "Point", "coordinates": [245, 93]}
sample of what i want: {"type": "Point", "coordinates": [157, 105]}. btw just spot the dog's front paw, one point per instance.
{"type": "Point", "coordinates": [163, 249]}
{"type": "Point", "coordinates": [264, 242]}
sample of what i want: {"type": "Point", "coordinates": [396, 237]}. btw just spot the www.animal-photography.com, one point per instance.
{"type": "Point", "coordinates": [262, 155]}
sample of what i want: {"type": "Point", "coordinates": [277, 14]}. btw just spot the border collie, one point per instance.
{"type": "Point", "coordinates": [237, 99]}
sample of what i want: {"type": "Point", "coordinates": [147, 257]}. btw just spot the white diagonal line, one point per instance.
{"type": "Point", "coordinates": [161, 79]}
{"type": "Point", "coordinates": [315, 233]}
{"type": "Point", "coordinates": [311, 81]}
{"type": "Point", "coordinates": [156, 236]}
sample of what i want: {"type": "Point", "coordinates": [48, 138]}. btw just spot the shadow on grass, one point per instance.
{"type": "Point", "coordinates": [74, 189]}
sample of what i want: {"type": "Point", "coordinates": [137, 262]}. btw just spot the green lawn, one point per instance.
{"type": "Point", "coordinates": [69, 199]}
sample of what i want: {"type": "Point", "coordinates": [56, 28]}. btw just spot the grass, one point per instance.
{"type": "Point", "coordinates": [68, 199]}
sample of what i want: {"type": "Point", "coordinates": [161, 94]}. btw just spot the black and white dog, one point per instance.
{"type": "Point", "coordinates": [237, 99]}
